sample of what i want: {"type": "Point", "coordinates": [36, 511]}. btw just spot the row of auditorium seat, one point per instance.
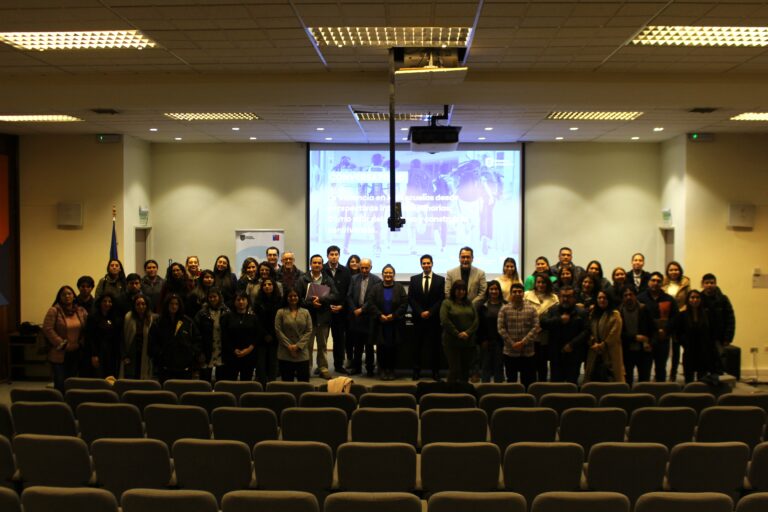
{"type": "Point", "coordinates": [529, 469]}
{"type": "Point", "coordinates": [47, 499]}
{"type": "Point", "coordinates": [583, 425]}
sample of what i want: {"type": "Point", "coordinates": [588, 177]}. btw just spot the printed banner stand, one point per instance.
{"type": "Point", "coordinates": [254, 243]}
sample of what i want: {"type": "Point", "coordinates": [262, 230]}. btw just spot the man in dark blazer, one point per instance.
{"type": "Point", "coordinates": [425, 295]}
{"type": "Point", "coordinates": [360, 321]}
{"type": "Point", "coordinates": [341, 277]}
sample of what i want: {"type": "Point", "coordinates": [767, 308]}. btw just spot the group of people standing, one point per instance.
{"type": "Point", "coordinates": [275, 319]}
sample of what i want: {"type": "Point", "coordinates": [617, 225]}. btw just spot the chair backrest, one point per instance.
{"type": "Point", "coordinates": [85, 383]}
{"type": "Point", "coordinates": [523, 424]}
{"type": "Point", "coordinates": [97, 420]}
{"type": "Point", "coordinates": [295, 388]}
{"type": "Point", "coordinates": [377, 467]}
{"type": "Point", "coordinates": [758, 469]}
{"type": "Point", "coordinates": [386, 425]}
{"type": "Point", "coordinates": [454, 426]}
{"type": "Point", "coordinates": [238, 387]}
{"type": "Point", "coordinates": [401, 387]}
{"type": "Point", "coordinates": [36, 395]}
{"type": "Point", "coordinates": [559, 501]}
{"type": "Point", "coordinates": [446, 401]}
{"type": "Point", "coordinates": [697, 387]}
{"type": "Point", "coordinates": [743, 423]}
{"type": "Point", "coordinates": [6, 422]}
{"type": "Point", "coordinates": [757, 502]}
{"type": "Point", "coordinates": [278, 463]}
{"type": "Point", "coordinates": [9, 500]}
{"type": "Point", "coordinates": [424, 387]}
{"type": "Point", "coordinates": [629, 468]}
{"type": "Point", "coordinates": [208, 400]}
{"type": "Point", "coordinates": [460, 467]}
{"type": "Point", "coordinates": [372, 502]}
{"type": "Point", "coordinates": [163, 500]}
{"type": "Point", "coordinates": [539, 389]}
{"type": "Point", "coordinates": [142, 398]}
{"type": "Point", "coordinates": [170, 423]}
{"type": "Point", "coordinates": [758, 399]}
{"type": "Point", "coordinates": [347, 402]}
{"type": "Point", "coordinates": [666, 425]}
{"type": "Point", "coordinates": [460, 501]}
{"type": "Point", "coordinates": [708, 467]}
{"type": "Point", "coordinates": [123, 464]}
{"type": "Point", "coordinates": [181, 386]}
{"type": "Point", "coordinates": [75, 397]}
{"type": "Point", "coordinates": [275, 501]}
{"type": "Point", "coordinates": [628, 401]}
{"type": "Point", "coordinates": [277, 401]}
{"type": "Point", "coordinates": [563, 401]}
{"type": "Point", "coordinates": [657, 389]}
{"type": "Point", "coordinates": [61, 461]}
{"type": "Point", "coordinates": [123, 385]}
{"type": "Point", "coordinates": [7, 463]}
{"type": "Point", "coordinates": [492, 401]}
{"type": "Point", "coordinates": [685, 502]}
{"type": "Point", "coordinates": [592, 425]}
{"type": "Point", "coordinates": [322, 424]}
{"type": "Point", "coordinates": [382, 400]}
{"type": "Point", "coordinates": [59, 499]}
{"type": "Point", "coordinates": [249, 425]}
{"type": "Point", "coordinates": [212, 465]}
{"type": "Point", "coordinates": [533, 468]}
{"type": "Point", "coordinates": [600, 389]}
{"type": "Point", "coordinates": [506, 388]}
{"type": "Point", "coordinates": [696, 401]}
{"type": "Point", "coordinates": [48, 418]}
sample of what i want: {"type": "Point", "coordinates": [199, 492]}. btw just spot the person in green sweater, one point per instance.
{"type": "Point", "coordinates": [459, 319]}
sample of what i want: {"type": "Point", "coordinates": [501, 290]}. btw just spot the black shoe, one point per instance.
{"type": "Point", "coordinates": [416, 375]}
{"type": "Point", "coordinates": [355, 371]}
{"type": "Point", "coordinates": [341, 371]}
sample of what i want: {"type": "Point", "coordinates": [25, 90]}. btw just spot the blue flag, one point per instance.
{"type": "Point", "coordinates": [113, 245]}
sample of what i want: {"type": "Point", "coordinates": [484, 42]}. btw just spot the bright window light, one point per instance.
{"type": "Point", "coordinates": [594, 116]}
{"type": "Point", "coordinates": [38, 119]}
{"type": "Point", "coordinates": [96, 40]}
{"type": "Point", "coordinates": [212, 116]}
{"type": "Point", "coordinates": [441, 37]}
{"type": "Point", "coordinates": [662, 35]}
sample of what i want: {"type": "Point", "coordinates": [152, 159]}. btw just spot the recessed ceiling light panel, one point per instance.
{"type": "Point", "coordinates": [399, 116]}
{"type": "Point", "coordinates": [594, 116]}
{"type": "Point", "coordinates": [94, 40]}
{"type": "Point", "coordinates": [38, 119]}
{"type": "Point", "coordinates": [212, 116]}
{"type": "Point", "coordinates": [662, 35]}
{"type": "Point", "coordinates": [751, 116]}
{"type": "Point", "coordinates": [441, 37]}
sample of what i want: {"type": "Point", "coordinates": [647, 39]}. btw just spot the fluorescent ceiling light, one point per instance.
{"type": "Point", "coordinates": [430, 69]}
{"type": "Point", "coordinates": [38, 119]}
{"type": "Point", "coordinates": [751, 116]}
{"type": "Point", "coordinates": [662, 35]}
{"type": "Point", "coordinates": [594, 116]}
{"type": "Point", "coordinates": [94, 40]}
{"type": "Point", "coordinates": [659, 129]}
{"type": "Point", "coordinates": [635, 138]}
{"type": "Point", "coordinates": [442, 37]}
{"type": "Point", "coordinates": [212, 116]}
{"type": "Point", "coordinates": [399, 116]}
{"type": "Point", "coordinates": [558, 138]}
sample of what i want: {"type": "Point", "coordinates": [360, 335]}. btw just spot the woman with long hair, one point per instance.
{"type": "Point", "coordinates": [542, 267]}
{"type": "Point", "coordinates": [509, 276]}
{"type": "Point", "coordinates": [293, 327]}
{"type": "Point", "coordinates": [64, 329]}
{"type": "Point", "coordinates": [192, 265]}
{"type": "Point", "coordinates": [113, 281]}
{"type": "Point", "coordinates": [103, 334]}
{"type": "Point", "coordinates": [136, 355]}
{"type": "Point", "coordinates": [241, 333]}
{"type": "Point", "coordinates": [618, 283]}
{"type": "Point", "coordinates": [595, 269]}
{"type": "Point", "coordinates": [678, 285]}
{"type": "Point", "coordinates": [249, 277]}
{"type": "Point", "coordinates": [565, 277]}
{"type": "Point", "coordinates": [587, 294]}
{"type": "Point", "coordinates": [199, 294]}
{"type": "Point", "coordinates": [488, 338]}
{"type": "Point", "coordinates": [353, 264]}
{"type": "Point", "coordinates": [175, 342]}
{"type": "Point", "coordinates": [208, 321]}
{"type": "Point", "coordinates": [694, 328]}
{"type": "Point", "coordinates": [542, 297]}
{"type": "Point", "coordinates": [268, 303]}
{"type": "Point", "coordinates": [176, 283]}
{"type": "Point", "coordinates": [605, 358]}
{"type": "Point", "coordinates": [460, 322]}
{"type": "Point", "coordinates": [225, 280]}
{"type": "Point", "coordinates": [387, 302]}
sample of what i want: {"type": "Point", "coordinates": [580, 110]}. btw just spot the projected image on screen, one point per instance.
{"type": "Point", "coordinates": [470, 197]}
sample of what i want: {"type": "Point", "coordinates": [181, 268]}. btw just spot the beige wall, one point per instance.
{"type": "Point", "coordinates": [202, 193]}
{"type": "Point", "coordinates": [55, 168]}
{"type": "Point", "coordinates": [673, 191]}
{"type": "Point", "coordinates": [137, 166]}
{"type": "Point", "coordinates": [731, 169]}
{"type": "Point", "coordinates": [602, 200]}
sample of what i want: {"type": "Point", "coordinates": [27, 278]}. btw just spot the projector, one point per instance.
{"type": "Point", "coordinates": [434, 139]}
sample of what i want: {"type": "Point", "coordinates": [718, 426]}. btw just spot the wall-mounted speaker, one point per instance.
{"type": "Point", "coordinates": [69, 215]}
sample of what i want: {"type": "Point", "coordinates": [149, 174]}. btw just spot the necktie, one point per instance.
{"type": "Point", "coordinates": [363, 287]}
{"type": "Point", "coordinates": [426, 283]}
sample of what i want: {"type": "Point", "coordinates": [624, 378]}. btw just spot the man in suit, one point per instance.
{"type": "Point", "coordinates": [319, 309]}
{"type": "Point", "coordinates": [360, 322]}
{"type": "Point", "coordinates": [473, 276]}
{"type": "Point", "coordinates": [341, 277]}
{"type": "Point", "coordinates": [425, 295]}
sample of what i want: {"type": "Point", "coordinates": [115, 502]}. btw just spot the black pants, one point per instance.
{"type": "Point", "coordinates": [542, 360]}
{"type": "Point", "coordinates": [387, 356]}
{"type": "Point", "coordinates": [641, 360]}
{"type": "Point", "coordinates": [240, 369]}
{"type": "Point", "coordinates": [294, 370]}
{"type": "Point", "coordinates": [266, 362]}
{"type": "Point", "coordinates": [359, 341]}
{"type": "Point", "coordinates": [426, 336]}
{"type": "Point", "coordinates": [525, 366]}
{"type": "Point", "coordinates": [660, 358]}
{"type": "Point", "coordinates": [65, 370]}
{"type": "Point", "coordinates": [675, 361]}
{"type": "Point", "coordinates": [566, 366]}
{"type": "Point", "coordinates": [459, 362]}
{"type": "Point", "coordinates": [339, 333]}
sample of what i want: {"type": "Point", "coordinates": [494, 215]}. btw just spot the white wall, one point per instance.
{"type": "Point", "coordinates": [202, 193]}
{"type": "Point", "coordinates": [673, 189]}
{"type": "Point", "coordinates": [137, 166]}
{"type": "Point", "coordinates": [602, 200]}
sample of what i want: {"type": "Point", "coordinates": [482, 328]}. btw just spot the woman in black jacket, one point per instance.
{"type": "Point", "coordinates": [225, 280]}
{"type": "Point", "coordinates": [199, 294]}
{"type": "Point", "coordinates": [175, 342]}
{"type": "Point", "coordinates": [268, 302]}
{"type": "Point", "coordinates": [488, 339]}
{"type": "Point", "coordinates": [241, 332]}
{"type": "Point", "coordinates": [695, 328]}
{"type": "Point", "coordinates": [103, 332]}
{"type": "Point", "coordinates": [208, 321]}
